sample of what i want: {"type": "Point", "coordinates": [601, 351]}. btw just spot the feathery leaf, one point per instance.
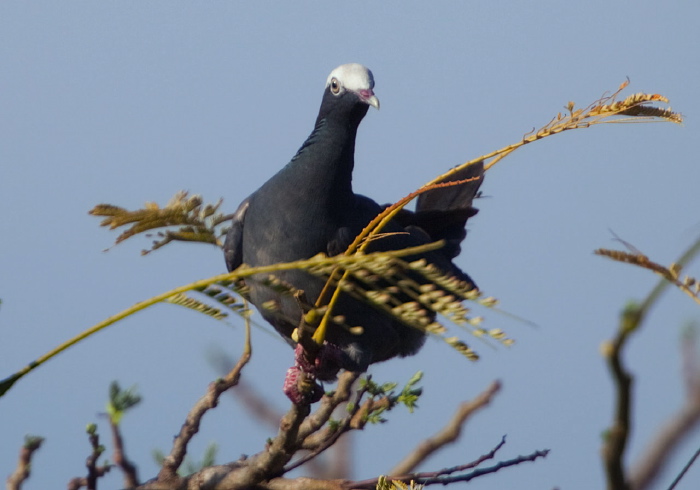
{"type": "Point", "coordinates": [196, 221]}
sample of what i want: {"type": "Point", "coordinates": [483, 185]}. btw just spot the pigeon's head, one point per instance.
{"type": "Point", "coordinates": [352, 80]}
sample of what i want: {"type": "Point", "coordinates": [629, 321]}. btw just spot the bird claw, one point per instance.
{"type": "Point", "coordinates": [301, 387]}
{"type": "Point", "coordinates": [300, 384]}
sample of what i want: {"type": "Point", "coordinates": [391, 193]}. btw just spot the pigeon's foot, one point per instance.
{"type": "Point", "coordinates": [300, 384]}
{"type": "Point", "coordinates": [301, 387]}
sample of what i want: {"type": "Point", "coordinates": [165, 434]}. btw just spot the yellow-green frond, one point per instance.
{"type": "Point", "coordinates": [192, 220]}
{"type": "Point", "coordinates": [384, 484]}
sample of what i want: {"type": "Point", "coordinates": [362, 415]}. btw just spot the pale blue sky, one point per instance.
{"type": "Point", "coordinates": [127, 102]}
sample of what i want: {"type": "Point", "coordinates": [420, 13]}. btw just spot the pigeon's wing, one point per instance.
{"type": "Point", "coordinates": [233, 246]}
{"type": "Point", "coordinates": [364, 210]}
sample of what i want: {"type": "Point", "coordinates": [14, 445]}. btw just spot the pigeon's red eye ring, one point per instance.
{"type": "Point", "coordinates": [335, 86]}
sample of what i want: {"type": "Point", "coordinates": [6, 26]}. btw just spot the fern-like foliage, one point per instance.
{"type": "Point", "coordinates": [384, 484]}
{"type": "Point", "coordinates": [387, 398]}
{"type": "Point", "coordinates": [197, 305]}
{"type": "Point", "coordinates": [415, 293]}
{"type": "Point", "coordinates": [120, 401]}
{"type": "Point", "coordinates": [184, 218]}
{"type": "Point", "coordinates": [689, 285]}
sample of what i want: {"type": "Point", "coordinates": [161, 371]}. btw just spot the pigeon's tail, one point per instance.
{"type": "Point", "coordinates": [455, 197]}
{"type": "Point", "coordinates": [443, 212]}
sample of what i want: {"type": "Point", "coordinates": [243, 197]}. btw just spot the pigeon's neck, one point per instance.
{"type": "Point", "coordinates": [325, 161]}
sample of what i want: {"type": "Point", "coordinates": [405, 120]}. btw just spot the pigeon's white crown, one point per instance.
{"type": "Point", "coordinates": [353, 76]}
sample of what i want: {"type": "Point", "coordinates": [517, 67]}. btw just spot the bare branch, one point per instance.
{"type": "Point", "coordinates": [23, 469]}
{"type": "Point", "coordinates": [669, 436]}
{"type": "Point", "coordinates": [265, 469]}
{"type": "Point", "coordinates": [329, 436]}
{"type": "Point", "coordinates": [448, 434]}
{"type": "Point", "coordinates": [483, 471]}
{"type": "Point", "coordinates": [128, 468]}
{"type": "Point", "coordinates": [684, 470]}
{"type": "Point", "coordinates": [304, 484]}
{"type": "Point", "coordinates": [617, 435]}
{"type": "Point", "coordinates": [336, 464]}
{"type": "Point", "coordinates": [271, 461]}
{"type": "Point", "coordinates": [631, 319]}
{"type": "Point", "coordinates": [328, 404]}
{"type": "Point", "coordinates": [439, 477]}
{"type": "Point", "coordinates": [94, 471]}
{"type": "Point", "coordinates": [675, 430]}
{"type": "Point", "coordinates": [191, 426]}
{"type": "Point", "coordinates": [235, 476]}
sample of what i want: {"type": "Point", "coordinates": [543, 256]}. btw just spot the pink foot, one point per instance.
{"type": "Point", "coordinates": [300, 384]}
{"type": "Point", "coordinates": [300, 387]}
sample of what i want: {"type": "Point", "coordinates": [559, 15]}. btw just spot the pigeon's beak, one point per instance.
{"type": "Point", "coordinates": [368, 97]}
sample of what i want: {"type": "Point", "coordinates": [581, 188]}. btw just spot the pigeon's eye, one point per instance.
{"type": "Point", "coordinates": [335, 86]}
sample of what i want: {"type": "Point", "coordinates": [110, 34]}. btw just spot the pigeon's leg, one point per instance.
{"type": "Point", "coordinates": [312, 361]}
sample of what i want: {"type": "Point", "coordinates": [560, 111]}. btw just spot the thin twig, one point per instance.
{"type": "Point", "coordinates": [618, 434]}
{"type": "Point", "coordinates": [454, 469]}
{"type": "Point", "coordinates": [128, 468]}
{"type": "Point", "coordinates": [669, 437]}
{"type": "Point", "coordinates": [448, 434]}
{"type": "Point", "coordinates": [484, 457]}
{"type": "Point", "coordinates": [323, 413]}
{"type": "Point", "coordinates": [94, 471]}
{"type": "Point", "coordinates": [684, 470]}
{"type": "Point", "coordinates": [172, 462]}
{"type": "Point", "coordinates": [330, 436]}
{"type": "Point", "coordinates": [439, 478]}
{"type": "Point", "coordinates": [645, 471]}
